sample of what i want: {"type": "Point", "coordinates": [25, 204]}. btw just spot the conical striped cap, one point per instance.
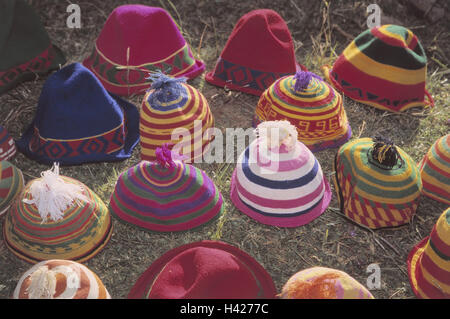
{"type": "Point", "coordinates": [279, 186]}
{"type": "Point", "coordinates": [185, 115]}
{"type": "Point", "coordinates": [7, 145]}
{"type": "Point", "coordinates": [311, 105]}
{"type": "Point", "coordinates": [11, 184]}
{"type": "Point", "coordinates": [82, 232]}
{"type": "Point", "coordinates": [323, 283]}
{"type": "Point", "coordinates": [372, 194]}
{"type": "Point", "coordinates": [165, 199]}
{"type": "Point", "coordinates": [435, 171]}
{"type": "Point", "coordinates": [60, 279]}
{"type": "Point", "coordinates": [429, 262]}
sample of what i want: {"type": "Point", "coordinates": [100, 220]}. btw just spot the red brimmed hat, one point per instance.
{"type": "Point", "coordinates": [136, 40]}
{"type": "Point", "coordinates": [204, 270]}
{"type": "Point", "coordinates": [259, 51]}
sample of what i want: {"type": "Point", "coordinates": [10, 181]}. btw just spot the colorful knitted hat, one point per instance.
{"type": "Point", "coordinates": [377, 183]}
{"type": "Point", "coordinates": [429, 262]}
{"type": "Point", "coordinates": [323, 283]}
{"type": "Point", "coordinates": [25, 48]}
{"type": "Point", "coordinates": [169, 107]}
{"type": "Point", "coordinates": [137, 39]}
{"type": "Point", "coordinates": [77, 121]}
{"type": "Point", "coordinates": [277, 180]}
{"type": "Point", "coordinates": [7, 145]}
{"type": "Point", "coordinates": [259, 51]}
{"type": "Point", "coordinates": [435, 171]}
{"type": "Point", "coordinates": [11, 184]}
{"type": "Point", "coordinates": [57, 217]}
{"type": "Point", "coordinates": [166, 195]}
{"type": "Point", "coordinates": [60, 279]}
{"type": "Point", "coordinates": [204, 270]}
{"type": "Point", "coordinates": [311, 105]}
{"type": "Point", "coordinates": [385, 67]}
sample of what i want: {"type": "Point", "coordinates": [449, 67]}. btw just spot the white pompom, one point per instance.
{"type": "Point", "coordinates": [42, 284]}
{"type": "Point", "coordinates": [52, 195]}
{"type": "Point", "coordinates": [277, 133]}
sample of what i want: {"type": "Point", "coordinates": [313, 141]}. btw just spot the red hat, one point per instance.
{"type": "Point", "coordinates": [259, 51]}
{"type": "Point", "coordinates": [135, 40]}
{"type": "Point", "coordinates": [204, 270]}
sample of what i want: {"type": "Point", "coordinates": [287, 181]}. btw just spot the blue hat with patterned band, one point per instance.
{"type": "Point", "coordinates": [78, 121]}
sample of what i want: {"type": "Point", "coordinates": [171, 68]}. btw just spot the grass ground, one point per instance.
{"type": "Point", "coordinates": [320, 31]}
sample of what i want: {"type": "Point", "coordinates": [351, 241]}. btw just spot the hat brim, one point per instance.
{"type": "Point", "coordinates": [140, 288]}
{"type": "Point", "coordinates": [234, 87]}
{"type": "Point", "coordinates": [281, 221]}
{"type": "Point", "coordinates": [413, 258]}
{"type": "Point", "coordinates": [131, 118]}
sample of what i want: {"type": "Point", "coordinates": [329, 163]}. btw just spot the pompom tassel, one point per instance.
{"type": "Point", "coordinates": [385, 152]}
{"type": "Point", "coordinates": [164, 87]}
{"type": "Point", "coordinates": [166, 158]}
{"type": "Point", "coordinates": [302, 79]}
{"type": "Point", "coordinates": [285, 133]}
{"type": "Point", "coordinates": [52, 195]}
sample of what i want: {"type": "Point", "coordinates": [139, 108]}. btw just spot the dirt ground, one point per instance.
{"type": "Point", "coordinates": [320, 31]}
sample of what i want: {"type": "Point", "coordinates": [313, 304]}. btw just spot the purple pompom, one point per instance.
{"type": "Point", "coordinates": [302, 79]}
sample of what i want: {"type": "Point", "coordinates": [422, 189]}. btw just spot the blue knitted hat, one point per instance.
{"type": "Point", "coordinates": [78, 121]}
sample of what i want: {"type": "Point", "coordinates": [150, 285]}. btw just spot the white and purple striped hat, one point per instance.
{"type": "Point", "coordinates": [277, 180]}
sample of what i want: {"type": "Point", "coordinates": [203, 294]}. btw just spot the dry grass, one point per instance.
{"type": "Point", "coordinates": [320, 32]}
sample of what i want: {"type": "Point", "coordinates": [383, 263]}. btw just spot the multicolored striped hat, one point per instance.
{"type": "Point", "coordinates": [313, 106]}
{"type": "Point", "coordinates": [11, 184]}
{"type": "Point", "coordinates": [7, 145]}
{"type": "Point", "coordinates": [204, 270]}
{"type": "Point", "coordinates": [166, 195]}
{"type": "Point", "coordinates": [323, 283]}
{"type": "Point", "coordinates": [137, 39]}
{"type": "Point", "coordinates": [429, 262]}
{"type": "Point", "coordinates": [277, 180]}
{"type": "Point", "coordinates": [384, 67]}
{"type": "Point", "coordinates": [174, 112]}
{"type": "Point", "coordinates": [78, 122]}
{"type": "Point", "coordinates": [26, 51]}
{"type": "Point", "coordinates": [435, 171]}
{"type": "Point", "coordinates": [57, 217]}
{"type": "Point", "coordinates": [259, 51]}
{"type": "Point", "coordinates": [60, 279]}
{"type": "Point", "coordinates": [377, 183]}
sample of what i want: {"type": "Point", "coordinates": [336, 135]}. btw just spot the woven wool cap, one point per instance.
{"type": "Point", "coordinates": [377, 183]}
{"type": "Point", "coordinates": [11, 184]}
{"type": "Point", "coordinates": [166, 195]}
{"type": "Point", "coordinates": [311, 105]}
{"type": "Point", "coordinates": [384, 67]}
{"type": "Point", "coordinates": [7, 145]}
{"type": "Point", "coordinates": [25, 48]}
{"type": "Point", "coordinates": [60, 279]}
{"type": "Point", "coordinates": [259, 51]}
{"type": "Point", "coordinates": [323, 283]}
{"type": "Point", "coordinates": [174, 112]}
{"type": "Point", "coordinates": [281, 184]}
{"type": "Point", "coordinates": [78, 122]}
{"type": "Point", "coordinates": [57, 217]}
{"type": "Point", "coordinates": [435, 171]}
{"type": "Point", "coordinates": [429, 262]}
{"type": "Point", "coordinates": [204, 270]}
{"type": "Point", "coordinates": [137, 39]}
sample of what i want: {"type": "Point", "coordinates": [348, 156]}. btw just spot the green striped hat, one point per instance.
{"type": "Point", "coordinates": [378, 184]}
{"type": "Point", "coordinates": [11, 184]}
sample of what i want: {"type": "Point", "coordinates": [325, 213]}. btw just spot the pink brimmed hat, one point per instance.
{"type": "Point", "coordinates": [136, 40]}
{"type": "Point", "coordinates": [279, 182]}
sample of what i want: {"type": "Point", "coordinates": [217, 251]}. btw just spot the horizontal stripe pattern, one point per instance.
{"type": "Point", "coordinates": [83, 232]}
{"type": "Point", "coordinates": [165, 199]}
{"type": "Point", "coordinates": [7, 145]}
{"type": "Point", "coordinates": [159, 122]}
{"type": "Point", "coordinates": [289, 185]}
{"type": "Point", "coordinates": [64, 273]}
{"type": "Point", "coordinates": [435, 170]}
{"type": "Point", "coordinates": [323, 283]}
{"type": "Point", "coordinates": [371, 195]}
{"type": "Point", "coordinates": [11, 184]}
{"type": "Point", "coordinates": [429, 262]}
{"type": "Point", "coordinates": [317, 112]}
